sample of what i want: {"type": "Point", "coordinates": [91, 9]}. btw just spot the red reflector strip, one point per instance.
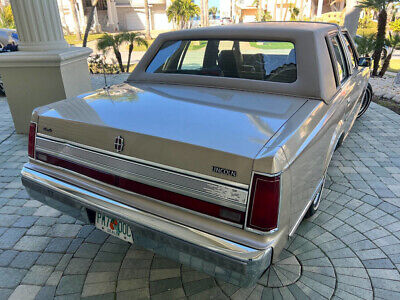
{"type": "Point", "coordinates": [180, 200]}
{"type": "Point", "coordinates": [264, 203]}
{"type": "Point", "coordinates": [31, 140]}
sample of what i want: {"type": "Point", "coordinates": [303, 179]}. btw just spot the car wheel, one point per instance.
{"type": "Point", "coordinates": [2, 91]}
{"type": "Point", "coordinates": [317, 200]}
{"type": "Point", "coordinates": [366, 100]}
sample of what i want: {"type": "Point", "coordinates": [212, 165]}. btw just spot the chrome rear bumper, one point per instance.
{"type": "Point", "coordinates": [213, 255]}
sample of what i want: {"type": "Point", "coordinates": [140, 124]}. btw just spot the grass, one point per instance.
{"type": "Point", "coordinates": [394, 65]}
{"type": "Point", "coordinates": [371, 29]}
{"type": "Point", "coordinates": [72, 40]}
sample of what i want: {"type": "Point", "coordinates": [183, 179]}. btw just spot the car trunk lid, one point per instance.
{"type": "Point", "coordinates": [211, 132]}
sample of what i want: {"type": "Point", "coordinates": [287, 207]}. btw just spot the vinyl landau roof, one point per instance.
{"type": "Point", "coordinates": [315, 75]}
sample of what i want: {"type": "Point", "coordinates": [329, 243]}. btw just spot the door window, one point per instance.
{"type": "Point", "coordinates": [353, 57]}
{"type": "Point", "coordinates": [339, 60]}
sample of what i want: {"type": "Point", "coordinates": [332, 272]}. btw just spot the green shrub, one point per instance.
{"type": "Point", "coordinates": [395, 25]}
{"type": "Point", "coordinates": [6, 17]}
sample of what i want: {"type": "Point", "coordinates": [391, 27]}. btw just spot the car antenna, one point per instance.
{"type": "Point", "coordinates": [106, 87]}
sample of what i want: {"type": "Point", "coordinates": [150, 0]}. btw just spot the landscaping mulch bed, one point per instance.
{"type": "Point", "coordinates": [392, 105]}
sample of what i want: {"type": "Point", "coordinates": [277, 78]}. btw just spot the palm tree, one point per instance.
{"type": "Point", "coordinates": [76, 20]}
{"type": "Point", "coordinates": [147, 14]}
{"type": "Point", "coordinates": [132, 38]}
{"type": "Point", "coordinates": [381, 7]}
{"type": "Point", "coordinates": [213, 11]}
{"type": "Point", "coordinates": [365, 44]}
{"type": "Point", "coordinates": [394, 43]}
{"type": "Point", "coordinates": [89, 22]}
{"type": "Point", "coordinates": [202, 13]}
{"type": "Point", "coordinates": [206, 13]}
{"type": "Point", "coordinates": [180, 12]}
{"type": "Point", "coordinates": [258, 4]}
{"type": "Point", "coordinates": [352, 16]}
{"type": "Point", "coordinates": [108, 42]}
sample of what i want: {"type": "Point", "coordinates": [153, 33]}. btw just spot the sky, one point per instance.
{"type": "Point", "coordinates": [211, 3]}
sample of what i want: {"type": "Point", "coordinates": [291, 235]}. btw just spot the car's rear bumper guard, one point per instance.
{"type": "Point", "coordinates": [213, 255]}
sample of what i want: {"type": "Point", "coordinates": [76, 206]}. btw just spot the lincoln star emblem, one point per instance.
{"type": "Point", "coordinates": [119, 143]}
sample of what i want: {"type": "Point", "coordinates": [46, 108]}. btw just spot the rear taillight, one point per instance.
{"type": "Point", "coordinates": [31, 140]}
{"type": "Point", "coordinates": [264, 203]}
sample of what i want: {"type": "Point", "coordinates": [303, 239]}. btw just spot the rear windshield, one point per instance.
{"type": "Point", "coordinates": [258, 60]}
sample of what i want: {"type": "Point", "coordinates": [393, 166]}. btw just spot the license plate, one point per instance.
{"type": "Point", "coordinates": [114, 227]}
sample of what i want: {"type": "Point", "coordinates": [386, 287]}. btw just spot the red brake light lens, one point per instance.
{"type": "Point", "coordinates": [31, 140]}
{"type": "Point", "coordinates": [264, 203]}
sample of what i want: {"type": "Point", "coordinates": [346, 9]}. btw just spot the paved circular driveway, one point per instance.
{"type": "Point", "coordinates": [350, 249]}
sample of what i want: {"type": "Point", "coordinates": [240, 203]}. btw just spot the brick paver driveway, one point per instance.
{"type": "Point", "coordinates": [350, 249]}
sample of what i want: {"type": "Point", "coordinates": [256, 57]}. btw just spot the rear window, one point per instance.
{"type": "Point", "coordinates": [257, 60]}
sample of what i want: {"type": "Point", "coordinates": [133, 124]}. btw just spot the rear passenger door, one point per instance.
{"type": "Point", "coordinates": [345, 78]}
{"type": "Point", "coordinates": [359, 75]}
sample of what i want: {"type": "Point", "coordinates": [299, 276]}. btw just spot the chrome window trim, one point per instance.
{"type": "Point", "coordinates": [248, 204]}
{"type": "Point", "coordinates": [194, 187]}
{"type": "Point", "coordinates": [146, 162]}
{"type": "Point", "coordinates": [41, 164]}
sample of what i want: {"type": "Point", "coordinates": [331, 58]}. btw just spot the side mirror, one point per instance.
{"type": "Point", "coordinates": [364, 62]}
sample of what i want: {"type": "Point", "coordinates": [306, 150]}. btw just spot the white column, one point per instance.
{"type": "Point", "coordinates": [112, 15]}
{"type": "Point", "coordinates": [38, 24]}
{"type": "Point", "coordinates": [45, 69]}
{"type": "Point", "coordinates": [319, 9]}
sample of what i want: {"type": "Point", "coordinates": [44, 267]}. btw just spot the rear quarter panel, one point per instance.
{"type": "Point", "coordinates": [308, 140]}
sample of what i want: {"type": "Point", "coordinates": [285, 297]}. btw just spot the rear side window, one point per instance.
{"type": "Point", "coordinates": [254, 59]}
{"type": "Point", "coordinates": [339, 59]}
{"type": "Point", "coordinates": [353, 57]}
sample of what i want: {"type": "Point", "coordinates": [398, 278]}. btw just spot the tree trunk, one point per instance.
{"type": "Point", "coordinates": [230, 9]}
{"type": "Point", "coordinates": [202, 13]}
{"type": "Point", "coordinates": [89, 22]}
{"type": "Point", "coordinates": [351, 17]}
{"type": "Point", "coordinates": [286, 10]}
{"type": "Point", "coordinates": [390, 12]}
{"type": "Point", "coordinates": [385, 65]}
{"type": "Point", "coordinates": [76, 20]}
{"type": "Point", "coordinates": [147, 13]}
{"type": "Point", "coordinates": [259, 10]}
{"type": "Point", "coordinates": [129, 56]}
{"type": "Point", "coordinates": [206, 12]}
{"type": "Point", "coordinates": [301, 10]}
{"type": "Point", "coordinates": [119, 59]}
{"type": "Point", "coordinates": [380, 40]}
{"type": "Point", "coordinates": [274, 11]}
{"type": "Point", "coordinates": [281, 11]}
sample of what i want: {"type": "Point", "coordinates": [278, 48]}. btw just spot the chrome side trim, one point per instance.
{"type": "Point", "coordinates": [146, 162]}
{"type": "Point", "coordinates": [205, 190]}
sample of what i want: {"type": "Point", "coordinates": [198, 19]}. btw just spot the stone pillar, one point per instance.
{"type": "Point", "coordinates": [46, 69]}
